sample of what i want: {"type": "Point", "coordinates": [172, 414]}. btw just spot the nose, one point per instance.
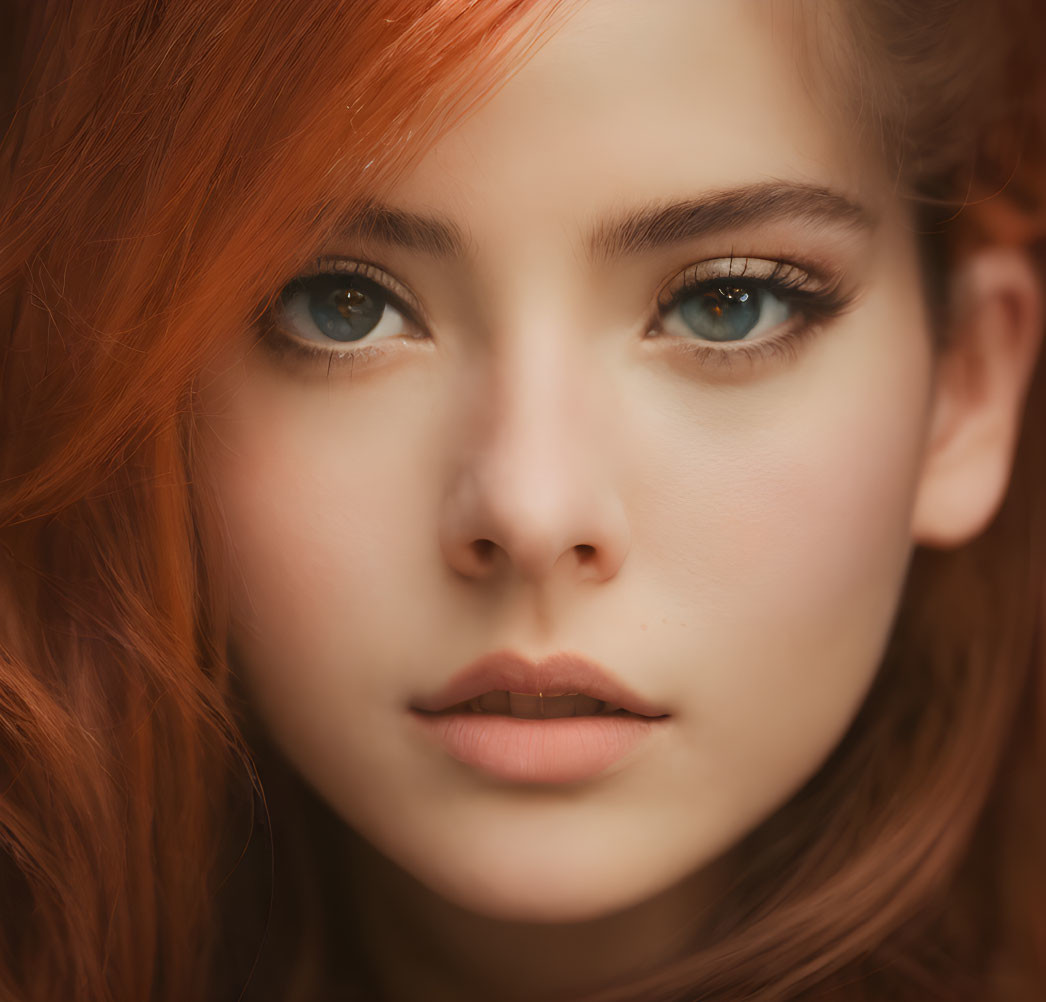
{"type": "Point", "coordinates": [533, 491]}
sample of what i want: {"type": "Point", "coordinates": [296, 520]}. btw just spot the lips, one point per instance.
{"type": "Point", "coordinates": [559, 685]}
{"type": "Point", "coordinates": [563, 719]}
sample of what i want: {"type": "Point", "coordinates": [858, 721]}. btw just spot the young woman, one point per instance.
{"type": "Point", "coordinates": [522, 501]}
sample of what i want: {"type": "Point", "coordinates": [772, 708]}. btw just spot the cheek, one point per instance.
{"type": "Point", "coordinates": [325, 523]}
{"type": "Point", "coordinates": [792, 510]}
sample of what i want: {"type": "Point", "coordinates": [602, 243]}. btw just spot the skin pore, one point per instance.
{"type": "Point", "coordinates": [537, 450]}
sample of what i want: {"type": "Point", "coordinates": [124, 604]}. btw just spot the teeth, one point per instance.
{"type": "Point", "coordinates": [537, 706]}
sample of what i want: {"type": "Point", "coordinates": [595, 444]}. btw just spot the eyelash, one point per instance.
{"type": "Point", "coordinates": [284, 346]}
{"type": "Point", "coordinates": [813, 301]}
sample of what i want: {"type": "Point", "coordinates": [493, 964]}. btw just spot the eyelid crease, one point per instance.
{"type": "Point", "coordinates": [765, 273]}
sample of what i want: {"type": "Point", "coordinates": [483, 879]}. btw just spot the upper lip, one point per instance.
{"type": "Point", "coordinates": [556, 674]}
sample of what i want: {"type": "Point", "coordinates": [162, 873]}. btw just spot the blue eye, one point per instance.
{"type": "Point", "coordinates": [339, 307]}
{"type": "Point", "coordinates": [725, 312]}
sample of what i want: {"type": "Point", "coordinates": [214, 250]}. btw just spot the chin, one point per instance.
{"type": "Point", "coordinates": [540, 902]}
{"type": "Point", "coordinates": [559, 892]}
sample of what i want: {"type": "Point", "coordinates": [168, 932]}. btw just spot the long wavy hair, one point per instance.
{"type": "Point", "coordinates": [166, 167]}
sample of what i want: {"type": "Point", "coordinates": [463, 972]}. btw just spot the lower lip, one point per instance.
{"type": "Point", "coordinates": [558, 750]}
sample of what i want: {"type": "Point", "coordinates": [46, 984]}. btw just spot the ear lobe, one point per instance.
{"type": "Point", "coordinates": [981, 382]}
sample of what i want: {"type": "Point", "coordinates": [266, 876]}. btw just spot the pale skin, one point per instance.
{"type": "Point", "coordinates": [533, 467]}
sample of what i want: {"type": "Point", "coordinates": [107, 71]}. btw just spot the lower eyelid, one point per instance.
{"type": "Point", "coordinates": [749, 353]}
{"type": "Point", "coordinates": [289, 349]}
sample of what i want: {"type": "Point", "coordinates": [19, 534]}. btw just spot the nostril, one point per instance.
{"type": "Point", "coordinates": [484, 549]}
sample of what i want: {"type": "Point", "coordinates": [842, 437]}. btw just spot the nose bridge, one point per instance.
{"type": "Point", "coordinates": [532, 486]}
{"type": "Point", "coordinates": [536, 416]}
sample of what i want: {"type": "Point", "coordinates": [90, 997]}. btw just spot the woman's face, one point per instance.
{"type": "Point", "coordinates": [647, 382]}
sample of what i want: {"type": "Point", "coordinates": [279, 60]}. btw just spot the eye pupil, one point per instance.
{"type": "Point", "coordinates": [349, 302]}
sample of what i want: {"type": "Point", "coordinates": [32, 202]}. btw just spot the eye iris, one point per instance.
{"type": "Point", "coordinates": [727, 313]}
{"type": "Point", "coordinates": [345, 309]}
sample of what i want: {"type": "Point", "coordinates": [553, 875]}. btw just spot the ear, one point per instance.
{"type": "Point", "coordinates": [982, 376]}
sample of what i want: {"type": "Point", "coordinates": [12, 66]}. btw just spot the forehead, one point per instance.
{"type": "Point", "coordinates": [629, 102]}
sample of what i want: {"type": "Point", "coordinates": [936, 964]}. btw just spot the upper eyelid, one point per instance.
{"type": "Point", "coordinates": [755, 269]}
{"type": "Point", "coordinates": [367, 269]}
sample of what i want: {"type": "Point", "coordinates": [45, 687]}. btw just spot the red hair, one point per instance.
{"type": "Point", "coordinates": [167, 167]}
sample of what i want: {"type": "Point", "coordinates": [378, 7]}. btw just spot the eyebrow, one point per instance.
{"type": "Point", "coordinates": [410, 230]}
{"type": "Point", "coordinates": [663, 224]}
{"type": "Point", "coordinates": [638, 231]}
